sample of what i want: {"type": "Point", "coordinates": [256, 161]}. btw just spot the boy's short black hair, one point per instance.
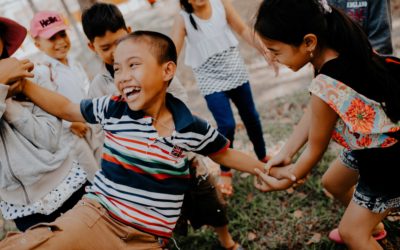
{"type": "Point", "coordinates": [100, 18]}
{"type": "Point", "coordinates": [161, 46]}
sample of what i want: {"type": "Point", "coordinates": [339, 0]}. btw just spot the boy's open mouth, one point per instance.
{"type": "Point", "coordinates": [131, 92]}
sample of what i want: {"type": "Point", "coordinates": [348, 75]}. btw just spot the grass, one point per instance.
{"type": "Point", "coordinates": [299, 219]}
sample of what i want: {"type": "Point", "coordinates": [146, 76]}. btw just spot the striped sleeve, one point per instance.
{"type": "Point", "coordinates": [93, 110]}
{"type": "Point", "coordinates": [211, 141]}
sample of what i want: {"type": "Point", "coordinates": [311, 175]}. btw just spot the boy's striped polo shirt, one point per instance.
{"type": "Point", "coordinates": [143, 176]}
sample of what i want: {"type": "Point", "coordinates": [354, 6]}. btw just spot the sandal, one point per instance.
{"type": "Point", "coordinates": [335, 236]}
{"type": "Point", "coordinates": [225, 183]}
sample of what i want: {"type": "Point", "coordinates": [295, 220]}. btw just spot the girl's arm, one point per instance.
{"type": "Point", "coordinates": [239, 26]}
{"type": "Point", "coordinates": [295, 142]}
{"type": "Point", "coordinates": [178, 33]}
{"type": "Point", "coordinates": [238, 160]}
{"type": "Point", "coordinates": [53, 103]}
{"type": "Point", "coordinates": [249, 35]}
{"type": "Point", "coordinates": [322, 122]}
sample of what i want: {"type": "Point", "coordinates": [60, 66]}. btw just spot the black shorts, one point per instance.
{"type": "Point", "coordinates": [203, 205]}
{"type": "Point", "coordinates": [378, 187]}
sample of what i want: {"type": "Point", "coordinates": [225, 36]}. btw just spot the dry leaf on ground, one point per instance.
{"type": "Point", "coordinates": [250, 197]}
{"type": "Point", "coordinates": [314, 239]}
{"type": "Point", "coordinates": [290, 190]}
{"type": "Point", "coordinates": [251, 236]}
{"type": "Point", "coordinates": [298, 214]}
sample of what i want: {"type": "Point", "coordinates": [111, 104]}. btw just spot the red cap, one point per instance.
{"type": "Point", "coordinates": [47, 23]}
{"type": "Point", "coordinates": [14, 34]}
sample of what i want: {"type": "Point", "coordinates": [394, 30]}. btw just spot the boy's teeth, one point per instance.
{"type": "Point", "coordinates": [128, 90]}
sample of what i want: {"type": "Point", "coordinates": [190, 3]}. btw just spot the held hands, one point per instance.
{"type": "Point", "coordinates": [280, 160]}
{"type": "Point", "coordinates": [12, 70]}
{"type": "Point", "coordinates": [277, 175]}
{"type": "Point", "coordinates": [79, 128]}
{"type": "Point", "coordinates": [274, 180]}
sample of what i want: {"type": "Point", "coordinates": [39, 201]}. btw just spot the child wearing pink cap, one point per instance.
{"type": "Point", "coordinates": [68, 77]}
{"type": "Point", "coordinates": [40, 178]}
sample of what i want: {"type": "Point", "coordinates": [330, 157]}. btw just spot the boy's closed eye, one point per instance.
{"type": "Point", "coordinates": [274, 52]}
{"type": "Point", "coordinates": [134, 65]}
{"type": "Point", "coordinates": [105, 48]}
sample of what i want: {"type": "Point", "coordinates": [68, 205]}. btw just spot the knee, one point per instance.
{"type": "Point", "coordinates": [250, 115]}
{"type": "Point", "coordinates": [329, 185]}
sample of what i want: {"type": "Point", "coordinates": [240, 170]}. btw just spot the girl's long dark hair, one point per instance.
{"type": "Point", "coordinates": [288, 21]}
{"type": "Point", "coordinates": [186, 6]}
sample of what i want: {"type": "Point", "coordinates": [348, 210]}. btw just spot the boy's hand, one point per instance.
{"type": "Point", "coordinates": [267, 183]}
{"type": "Point", "coordinates": [16, 88]}
{"type": "Point", "coordinates": [12, 69]}
{"type": "Point", "coordinates": [79, 129]}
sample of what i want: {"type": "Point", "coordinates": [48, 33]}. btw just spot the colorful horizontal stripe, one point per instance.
{"type": "Point", "coordinates": [144, 176]}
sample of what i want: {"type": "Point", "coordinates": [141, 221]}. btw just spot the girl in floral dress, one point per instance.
{"type": "Point", "coordinates": [354, 100]}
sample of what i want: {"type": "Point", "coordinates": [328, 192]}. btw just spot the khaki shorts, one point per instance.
{"type": "Point", "coordinates": [86, 226]}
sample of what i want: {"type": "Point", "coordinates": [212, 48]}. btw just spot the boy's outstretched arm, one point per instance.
{"type": "Point", "coordinates": [238, 160]}
{"type": "Point", "coordinates": [52, 102]}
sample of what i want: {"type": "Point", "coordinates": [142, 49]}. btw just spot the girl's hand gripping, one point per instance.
{"type": "Point", "coordinates": [274, 179]}
{"type": "Point", "coordinates": [16, 88]}
{"type": "Point", "coordinates": [12, 70]}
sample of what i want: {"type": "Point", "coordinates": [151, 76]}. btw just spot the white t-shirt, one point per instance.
{"type": "Point", "coordinates": [212, 36]}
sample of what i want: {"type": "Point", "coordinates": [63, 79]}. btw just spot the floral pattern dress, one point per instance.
{"type": "Point", "coordinates": [362, 122]}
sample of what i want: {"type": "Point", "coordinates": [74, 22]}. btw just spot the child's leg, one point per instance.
{"type": "Point", "coordinates": [203, 204]}
{"type": "Point", "coordinates": [220, 107]}
{"type": "Point", "coordinates": [86, 226]}
{"type": "Point", "coordinates": [243, 100]}
{"type": "Point", "coordinates": [339, 180]}
{"type": "Point", "coordinates": [224, 237]}
{"type": "Point", "coordinates": [357, 225]}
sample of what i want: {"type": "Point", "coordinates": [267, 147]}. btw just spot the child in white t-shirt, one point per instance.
{"type": "Point", "coordinates": [67, 76]}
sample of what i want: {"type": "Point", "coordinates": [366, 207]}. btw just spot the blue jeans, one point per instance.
{"type": "Point", "coordinates": [219, 105]}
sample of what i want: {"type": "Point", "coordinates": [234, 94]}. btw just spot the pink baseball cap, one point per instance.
{"type": "Point", "coordinates": [13, 36]}
{"type": "Point", "coordinates": [47, 23]}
